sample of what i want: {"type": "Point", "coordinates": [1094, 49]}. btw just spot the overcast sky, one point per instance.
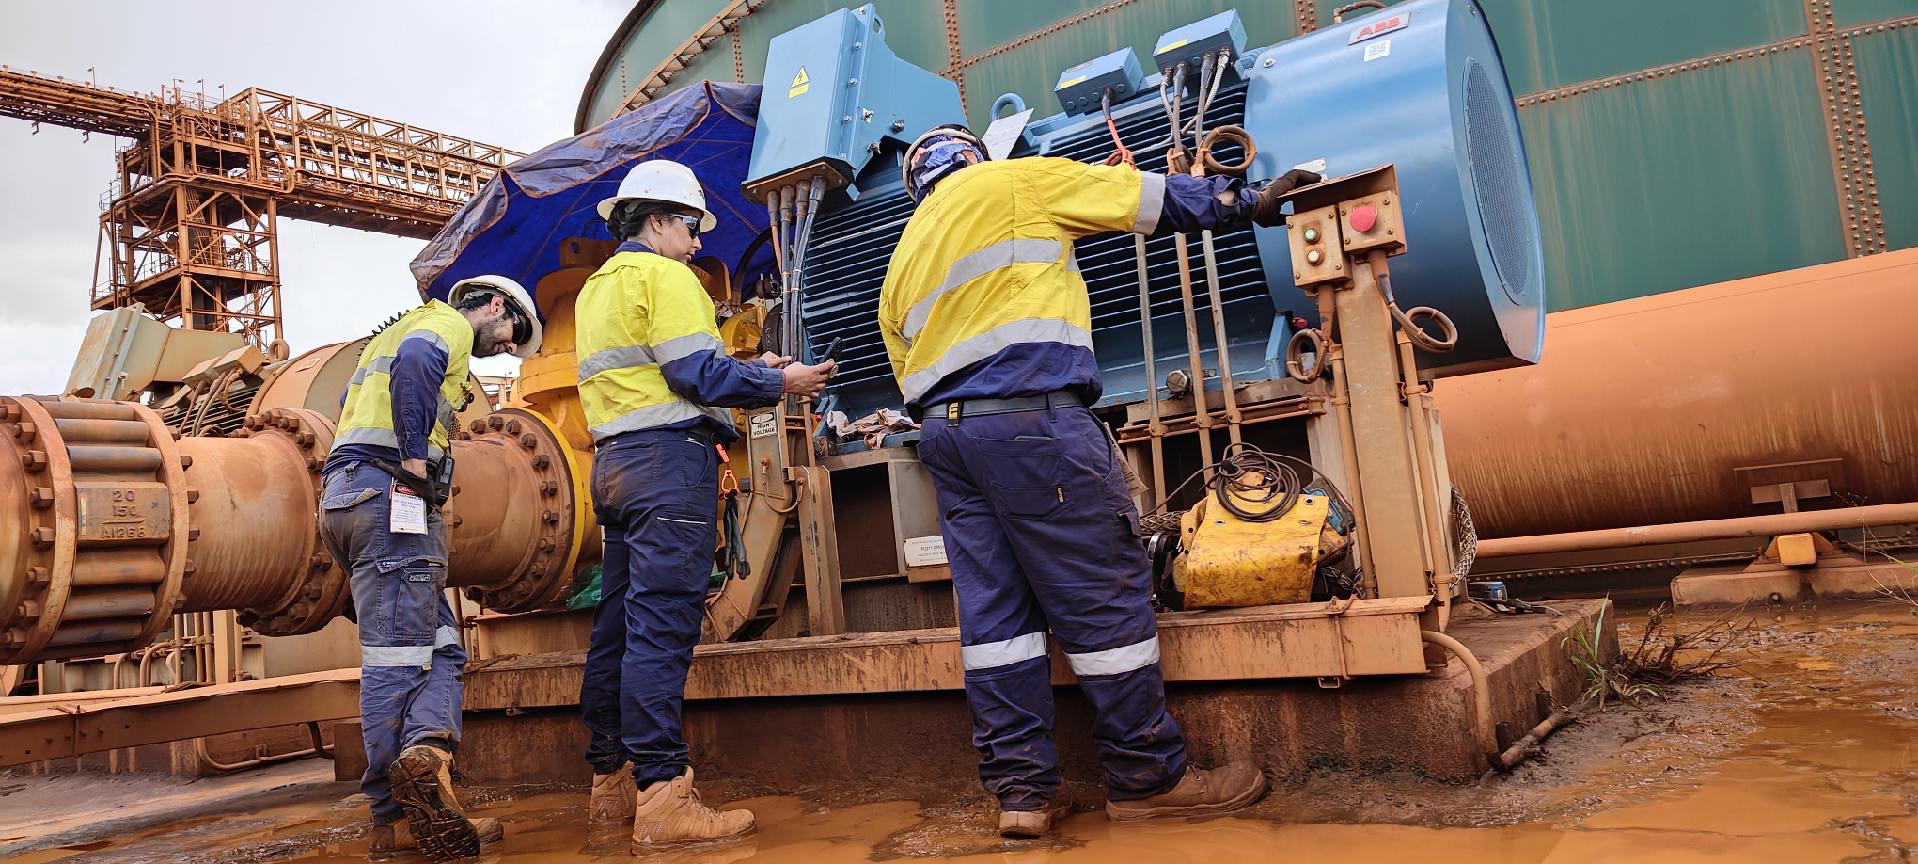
{"type": "Point", "coordinates": [503, 73]}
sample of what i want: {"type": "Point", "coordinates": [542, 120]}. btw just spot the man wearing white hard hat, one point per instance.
{"type": "Point", "coordinates": [656, 384]}
{"type": "Point", "coordinates": [386, 478]}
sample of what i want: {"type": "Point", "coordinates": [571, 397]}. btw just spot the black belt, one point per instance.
{"type": "Point", "coordinates": [981, 407]}
{"type": "Point", "coordinates": [702, 433]}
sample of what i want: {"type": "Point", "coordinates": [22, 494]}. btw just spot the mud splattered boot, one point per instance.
{"type": "Point", "coordinates": [614, 797]}
{"type": "Point", "coordinates": [1201, 792]}
{"type": "Point", "coordinates": [423, 787]}
{"type": "Point", "coordinates": [669, 813]}
{"type": "Point", "coordinates": [1028, 824]}
{"type": "Point", "coordinates": [390, 839]}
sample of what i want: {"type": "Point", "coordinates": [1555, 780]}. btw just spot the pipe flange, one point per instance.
{"type": "Point", "coordinates": [101, 533]}
{"type": "Point", "coordinates": [563, 512]}
{"type": "Point", "coordinates": [321, 593]}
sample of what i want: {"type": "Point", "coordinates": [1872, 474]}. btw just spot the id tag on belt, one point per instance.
{"type": "Point", "coordinates": [406, 511]}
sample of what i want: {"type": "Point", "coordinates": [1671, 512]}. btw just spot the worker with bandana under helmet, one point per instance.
{"type": "Point", "coordinates": [988, 326]}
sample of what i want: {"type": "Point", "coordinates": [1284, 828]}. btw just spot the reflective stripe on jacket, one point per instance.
{"type": "Point", "coordinates": [986, 267]}
{"type": "Point", "coordinates": [367, 412]}
{"type": "Point", "coordinates": [650, 354]}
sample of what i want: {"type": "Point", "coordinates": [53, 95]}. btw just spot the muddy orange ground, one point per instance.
{"type": "Point", "coordinates": [1806, 756]}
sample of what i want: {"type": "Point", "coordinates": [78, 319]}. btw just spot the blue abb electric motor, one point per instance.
{"type": "Point", "coordinates": [1418, 86]}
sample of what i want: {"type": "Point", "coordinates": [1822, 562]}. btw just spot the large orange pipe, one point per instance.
{"type": "Point", "coordinates": [1642, 411]}
{"type": "Point", "coordinates": [254, 499]}
{"type": "Point", "coordinates": [108, 525]}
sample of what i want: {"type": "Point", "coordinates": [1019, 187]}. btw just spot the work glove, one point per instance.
{"type": "Point", "coordinates": [1266, 212]}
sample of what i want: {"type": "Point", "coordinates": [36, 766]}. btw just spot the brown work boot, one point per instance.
{"type": "Point", "coordinates": [390, 839]}
{"type": "Point", "coordinates": [1027, 824]}
{"type": "Point", "coordinates": [423, 786]}
{"type": "Point", "coordinates": [395, 837]}
{"type": "Point", "coordinates": [668, 813]}
{"type": "Point", "coordinates": [1201, 792]}
{"type": "Point", "coordinates": [614, 797]}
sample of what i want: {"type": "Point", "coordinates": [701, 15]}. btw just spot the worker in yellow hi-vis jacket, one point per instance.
{"type": "Point", "coordinates": [386, 477]}
{"type": "Point", "coordinates": [989, 329]}
{"type": "Point", "coordinates": [655, 383]}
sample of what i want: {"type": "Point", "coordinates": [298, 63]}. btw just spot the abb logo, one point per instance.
{"type": "Point", "coordinates": [1380, 27]}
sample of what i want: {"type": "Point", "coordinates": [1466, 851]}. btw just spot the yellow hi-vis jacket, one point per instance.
{"type": "Point", "coordinates": [366, 417]}
{"type": "Point", "coordinates": [638, 311]}
{"type": "Point", "coordinates": [986, 264]}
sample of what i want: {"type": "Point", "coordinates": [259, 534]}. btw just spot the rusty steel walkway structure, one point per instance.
{"type": "Point", "coordinates": [189, 224]}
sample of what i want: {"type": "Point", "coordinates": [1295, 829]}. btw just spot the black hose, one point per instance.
{"type": "Point", "coordinates": [745, 258]}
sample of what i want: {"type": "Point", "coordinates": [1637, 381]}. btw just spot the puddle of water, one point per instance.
{"type": "Point", "coordinates": [1808, 761]}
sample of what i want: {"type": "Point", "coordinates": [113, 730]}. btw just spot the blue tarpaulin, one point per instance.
{"type": "Point", "coordinates": [515, 225]}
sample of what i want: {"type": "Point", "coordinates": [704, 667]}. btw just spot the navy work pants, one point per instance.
{"type": "Point", "coordinates": [410, 655]}
{"type": "Point", "coordinates": [1040, 534]}
{"type": "Point", "coordinates": [656, 494]}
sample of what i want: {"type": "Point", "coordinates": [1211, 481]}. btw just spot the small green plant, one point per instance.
{"type": "Point", "coordinates": [1604, 681]}
{"type": "Point", "coordinates": [1664, 655]}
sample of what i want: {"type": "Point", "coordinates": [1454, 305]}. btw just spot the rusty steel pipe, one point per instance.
{"type": "Point", "coordinates": [118, 603]}
{"type": "Point", "coordinates": [1195, 356]}
{"type": "Point", "coordinates": [84, 497]}
{"type": "Point", "coordinates": [315, 379]}
{"type": "Point", "coordinates": [121, 432]}
{"type": "Point", "coordinates": [255, 502]}
{"type": "Point", "coordinates": [114, 567]}
{"type": "Point", "coordinates": [90, 410]}
{"type": "Point", "coordinates": [1658, 409]}
{"type": "Point", "coordinates": [1483, 726]}
{"type": "Point", "coordinates": [114, 460]}
{"type": "Point", "coordinates": [1155, 427]}
{"type": "Point", "coordinates": [88, 633]}
{"type": "Point", "coordinates": [103, 538]}
{"type": "Point", "coordinates": [1710, 529]}
{"type": "Point", "coordinates": [518, 512]}
{"type": "Point", "coordinates": [1233, 418]}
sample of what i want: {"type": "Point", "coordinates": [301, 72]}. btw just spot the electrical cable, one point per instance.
{"type": "Point", "coordinates": [1120, 155]}
{"type": "Point", "coordinates": [1197, 124]}
{"type": "Point", "coordinates": [1175, 152]}
{"type": "Point", "coordinates": [1211, 74]}
{"type": "Point", "coordinates": [1407, 319]}
{"type": "Point", "coordinates": [1249, 474]}
{"type": "Point", "coordinates": [1244, 468]}
{"type": "Point", "coordinates": [1231, 135]}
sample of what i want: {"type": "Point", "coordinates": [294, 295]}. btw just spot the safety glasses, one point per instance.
{"type": "Point", "coordinates": [522, 328]}
{"type": "Point", "coordinates": [692, 223]}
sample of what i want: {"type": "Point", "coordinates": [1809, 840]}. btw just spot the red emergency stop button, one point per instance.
{"type": "Point", "coordinates": [1364, 218]}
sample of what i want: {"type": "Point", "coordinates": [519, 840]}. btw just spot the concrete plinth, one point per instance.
{"type": "Point", "coordinates": [921, 740]}
{"type": "Point", "coordinates": [1848, 579]}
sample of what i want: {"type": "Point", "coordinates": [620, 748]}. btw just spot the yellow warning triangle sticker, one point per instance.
{"type": "Point", "coordinates": [800, 83]}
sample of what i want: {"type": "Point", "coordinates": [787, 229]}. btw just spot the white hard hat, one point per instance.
{"type": "Point", "coordinates": [514, 295]}
{"type": "Point", "coordinates": [661, 180]}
